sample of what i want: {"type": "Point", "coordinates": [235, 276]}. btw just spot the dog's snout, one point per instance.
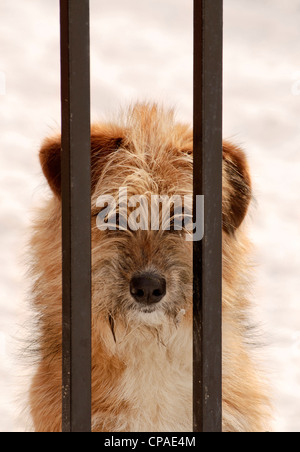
{"type": "Point", "coordinates": [148, 288]}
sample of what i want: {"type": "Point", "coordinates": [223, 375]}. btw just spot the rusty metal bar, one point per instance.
{"type": "Point", "coordinates": [76, 215]}
{"type": "Point", "coordinates": [207, 256]}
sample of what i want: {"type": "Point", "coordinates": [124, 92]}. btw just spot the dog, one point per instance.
{"type": "Point", "coordinates": [142, 286]}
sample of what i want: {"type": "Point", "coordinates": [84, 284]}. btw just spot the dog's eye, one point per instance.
{"type": "Point", "coordinates": [106, 218]}
{"type": "Point", "coordinates": [98, 210]}
{"type": "Point", "coordinates": [176, 224]}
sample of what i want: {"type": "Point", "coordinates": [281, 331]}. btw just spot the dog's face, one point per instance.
{"type": "Point", "coordinates": [143, 274]}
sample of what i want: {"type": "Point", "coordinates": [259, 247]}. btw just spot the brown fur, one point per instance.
{"type": "Point", "coordinates": [142, 363]}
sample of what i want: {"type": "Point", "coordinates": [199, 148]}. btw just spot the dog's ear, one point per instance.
{"type": "Point", "coordinates": [50, 155]}
{"type": "Point", "coordinates": [236, 187]}
{"type": "Point", "coordinates": [105, 139]}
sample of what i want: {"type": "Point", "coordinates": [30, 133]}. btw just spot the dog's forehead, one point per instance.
{"type": "Point", "coordinates": [163, 171]}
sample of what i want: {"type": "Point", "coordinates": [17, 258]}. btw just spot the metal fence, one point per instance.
{"type": "Point", "coordinates": [76, 203]}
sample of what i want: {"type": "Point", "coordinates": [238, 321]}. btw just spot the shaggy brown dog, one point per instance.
{"type": "Point", "coordinates": [142, 288]}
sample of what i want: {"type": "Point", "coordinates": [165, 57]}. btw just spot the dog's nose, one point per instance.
{"type": "Point", "coordinates": [148, 288]}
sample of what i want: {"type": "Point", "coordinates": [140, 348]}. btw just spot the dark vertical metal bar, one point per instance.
{"type": "Point", "coordinates": [76, 215]}
{"type": "Point", "coordinates": [207, 256]}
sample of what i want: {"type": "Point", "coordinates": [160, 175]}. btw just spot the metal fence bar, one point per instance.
{"type": "Point", "coordinates": [208, 56]}
{"type": "Point", "coordinates": [76, 215]}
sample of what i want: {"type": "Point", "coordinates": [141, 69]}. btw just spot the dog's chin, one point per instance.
{"type": "Point", "coordinates": [148, 315]}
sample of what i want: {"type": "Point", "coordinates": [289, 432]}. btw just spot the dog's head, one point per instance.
{"type": "Point", "coordinates": [142, 262]}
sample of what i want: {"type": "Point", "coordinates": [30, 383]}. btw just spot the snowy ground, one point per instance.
{"type": "Point", "coordinates": [143, 50]}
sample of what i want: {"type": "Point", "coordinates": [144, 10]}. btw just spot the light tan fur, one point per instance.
{"type": "Point", "coordinates": [142, 368]}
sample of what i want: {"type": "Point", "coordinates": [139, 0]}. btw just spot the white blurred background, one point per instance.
{"type": "Point", "coordinates": [142, 49]}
